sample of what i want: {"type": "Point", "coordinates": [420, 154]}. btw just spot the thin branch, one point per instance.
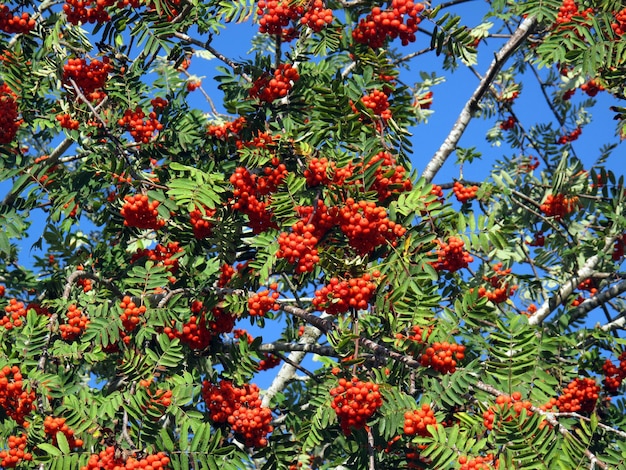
{"type": "Point", "coordinates": [451, 141]}
{"type": "Point", "coordinates": [207, 46]}
{"type": "Point", "coordinates": [584, 273]}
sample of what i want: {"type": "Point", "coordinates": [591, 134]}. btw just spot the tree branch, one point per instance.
{"type": "Point", "coordinates": [451, 141]}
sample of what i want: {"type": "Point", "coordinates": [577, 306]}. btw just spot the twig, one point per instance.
{"type": "Point", "coordinates": [451, 141]}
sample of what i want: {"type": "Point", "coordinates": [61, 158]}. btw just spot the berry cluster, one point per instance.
{"type": "Point", "coordinates": [52, 425]}
{"type": "Point", "coordinates": [355, 402]}
{"type": "Point", "coordinates": [618, 248]}
{"type": "Point", "coordinates": [15, 312]}
{"type": "Point", "coordinates": [568, 11]}
{"type": "Point", "coordinates": [141, 129]}
{"type": "Point", "coordinates": [202, 226]}
{"type": "Point", "coordinates": [241, 408]}
{"type": "Point", "coordinates": [15, 453]}
{"type": "Point", "coordinates": [131, 313]}
{"type": "Point", "coordinates": [87, 11]}
{"type": "Point", "coordinates": [111, 459]}
{"type": "Point", "coordinates": [570, 137]}
{"type": "Point", "coordinates": [620, 27]}
{"type": "Point", "coordinates": [581, 394]}
{"type": "Point", "coordinates": [417, 421]}
{"type": "Point", "coordinates": [262, 302]}
{"type": "Point", "coordinates": [378, 102]}
{"type": "Point", "coordinates": [508, 124]}
{"type": "Point", "coordinates": [12, 24]}
{"type": "Point", "coordinates": [268, 89]}
{"type": "Point", "coordinates": [317, 16]}
{"type": "Point", "coordinates": [162, 255]}
{"type": "Point", "coordinates": [66, 121]}
{"type": "Point", "coordinates": [559, 205]}
{"type": "Point", "coordinates": [159, 399]}
{"type": "Point", "coordinates": [16, 402]}
{"type": "Point", "coordinates": [367, 226]}
{"type": "Point", "coordinates": [443, 357]}
{"type": "Point", "coordinates": [138, 211]}
{"type": "Point", "coordinates": [269, 361]}
{"type": "Point", "coordinates": [76, 324]}
{"type": "Point", "coordinates": [464, 193]}
{"type": "Point", "coordinates": [250, 190]}
{"type": "Point", "coordinates": [380, 24]}
{"type": "Point", "coordinates": [478, 463]}
{"type": "Point", "coordinates": [340, 296]}
{"type": "Point", "coordinates": [276, 15]}
{"type": "Point", "coordinates": [228, 129]}
{"type": "Point", "coordinates": [501, 290]}
{"type": "Point", "coordinates": [614, 375]}
{"type": "Point", "coordinates": [9, 121]}
{"type": "Point", "coordinates": [592, 87]}
{"type": "Point", "coordinates": [2, 290]}
{"type": "Point", "coordinates": [300, 245]}
{"type": "Point", "coordinates": [424, 101]}
{"type": "Point", "coordinates": [451, 256]}
{"type": "Point", "coordinates": [390, 177]}
{"type": "Point", "coordinates": [506, 408]}
{"type": "Point", "coordinates": [88, 77]}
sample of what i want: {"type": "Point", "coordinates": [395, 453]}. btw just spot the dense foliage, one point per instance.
{"type": "Point", "coordinates": [460, 325]}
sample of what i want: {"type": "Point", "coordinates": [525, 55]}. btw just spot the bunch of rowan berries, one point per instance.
{"type": "Point", "coordinates": [76, 324]}
{"type": "Point", "coordinates": [66, 121]}
{"type": "Point", "coordinates": [501, 290]}
{"type": "Point", "coordinates": [390, 177]}
{"type": "Point", "coordinates": [401, 20]}
{"type": "Point", "coordinates": [15, 24]}
{"type": "Point", "coordinates": [262, 302]}
{"type": "Point", "coordinates": [316, 173]}
{"type": "Point", "coordinates": [16, 402]}
{"type": "Point", "coordinates": [221, 321]}
{"type": "Point", "coordinates": [138, 211]}
{"type": "Point", "coordinates": [268, 89]}
{"type": "Point", "coordinates": [9, 121]}
{"type": "Point", "coordinates": [159, 399]}
{"type": "Point", "coordinates": [464, 193]}
{"type": "Point", "coordinates": [240, 408]}
{"type": "Point", "coordinates": [276, 15]}
{"type": "Point", "coordinates": [581, 394]}
{"type": "Point", "coordinates": [568, 11]}
{"type": "Point", "coordinates": [508, 123]}
{"type": "Point", "coordinates": [378, 102]}
{"type": "Point", "coordinates": [15, 452]}
{"type": "Point", "coordinates": [443, 357]}
{"type": "Point", "coordinates": [592, 87]}
{"type": "Point", "coordinates": [110, 459]}
{"type": "Point", "coordinates": [614, 375]}
{"type": "Point", "coordinates": [202, 226]}
{"type": "Point", "coordinates": [194, 332]}
{"type": "Point", "coordinates": [317, 16]}
{"type": "Point", "coordinates": [620, 27]}
{"type": "Point", "coordinates": [417, 421]}
{"type": "Point", "coordinates": [424, 101]}
{"type": "Point", "coordinates": [570, 136]}
{"type": "Point", "coordinates": [451, 256]}
{"type": "Point", "coordinates": [88, 77]}
{"type": "Point", "coordinates": [131, 315]}
{"type": "Point", "coordinates": [559, 205]}
{"type": "Point", "coordinates": [87, 11]}
{"type": "Point", "coordinates": [52, 425]}
{"type": "Point", "coordinates": [299, 246]}
{"type": "Point", "coordinates": [141, 129]}
{"type": "Point", "coordinates": [341, 296]}
{"type": "Point", "coordinates": [15, 312]}
{"type": "Point", "coordinates": [618, 248]}
{"type": "Point", "coordinates": [355, 402]}
{"type": "Point", "coordinates": [478, 463]}
{"type": "Point", "coordinates": [508, 406]}
{"type": "Point", "coordinates": [228, 129]}
{"type": "Point", "coordinates": [367, 226]}
{"type": "Point", "coordinates": [269, 361]}
{"type": "Point", "coordinates": [162, 255]}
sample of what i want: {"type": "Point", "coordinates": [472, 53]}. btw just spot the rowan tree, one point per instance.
{"type": "Point", "coordinates": [178, 239]}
